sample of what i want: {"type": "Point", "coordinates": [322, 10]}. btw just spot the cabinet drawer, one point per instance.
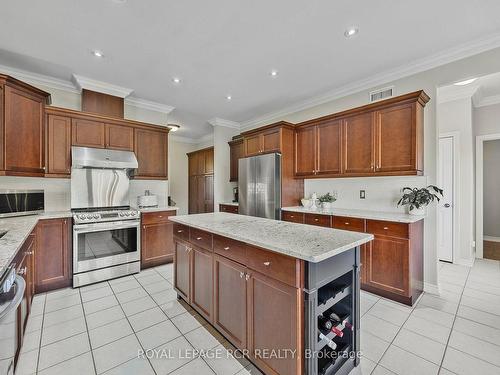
{"type": "Point", "coordinates": [228, 208]}
{"type": "Point", "coordinates": [181, 231]}
{"type": "Point", "coordinates": [276, 266]}
{"type": "Point", "coordinates": [316, 219]}
{"type": "Point", "coordinates": [294, 217]}
{"type": "Point", "coordinates": [349, 223]}
{"type": "Point", "coordinates": [200, 238]}
{"type": "Point", "coordinates": [231, 249]}
{"type": "Point", "coordinates": [156, 217]}
{"type": "Point", "coordinates": [387, 228]}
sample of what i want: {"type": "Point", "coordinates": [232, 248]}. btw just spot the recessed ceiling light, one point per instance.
{"type": "Point", "coordinates": [351, 32]}
{"type": "Point", "coordinates": [97, 53]}
{"type": "Point", "coordinates": [274, 73]}
{"type": "Point", "coordinates": [466, 82]}
{"type": "Point", "coordinates": [119, 1]}
{"type": "Point", "coordinates": [229, 97]}
{"type": "Point", "coordinates": [176, 80]}
{"type": "Point", "coordinates": [173, 127]}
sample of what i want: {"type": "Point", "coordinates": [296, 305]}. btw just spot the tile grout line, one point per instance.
{"type": "Point", "coordinates": [88, 333]}
{"type": "Point", "coordinates": [41, 333]}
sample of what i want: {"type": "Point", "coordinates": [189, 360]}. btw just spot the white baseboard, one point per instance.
{"type": "Point", "coordinates": [491, 238]}
{"type": "Point", "coordinates": [431, 288]}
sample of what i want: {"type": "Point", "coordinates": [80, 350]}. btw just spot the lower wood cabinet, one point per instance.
{"type": "Point", "coordinates": [157, 240]}
{"type": "Point", "coordinates": [202, 281]}
{"type": "Point", "coordinates": [228, 208]}
{"type": "Point", "coordinates": [182, 269]}
{"type": "Point", "coordinates": [53, 257]}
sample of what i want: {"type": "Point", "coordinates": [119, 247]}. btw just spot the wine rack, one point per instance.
{"type": "Point", "coordinates": [332, 351]}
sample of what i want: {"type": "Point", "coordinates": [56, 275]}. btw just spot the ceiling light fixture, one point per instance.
{"type": "Point", "coordinates": [176, 80]}
{"type": "Point", "coordinates": [350, 32]}
{"type": "Point", "coordinates": [97, 53]}
{"type": "Point", "coordinates": [466, 82]}
{"type": "Point", "coordinates": [274, 73]}
{"type": "Point", "coordinates": [173, 127]}
{"type": "Point", "coordinates": [229, 97]}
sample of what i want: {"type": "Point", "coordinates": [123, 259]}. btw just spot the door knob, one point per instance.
{"type": "Point", "coordinates": [447, 205]}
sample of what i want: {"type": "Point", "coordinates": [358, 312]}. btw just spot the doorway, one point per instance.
{"type": "Point", "coordinates": [447, 175]}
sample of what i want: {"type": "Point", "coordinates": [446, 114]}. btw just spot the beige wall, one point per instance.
{"type": "Point", "coordinates": [223, 189]}
{"type": "Point", "coordinates": [487, 120]}
{"type": "Point", "coordinates": [178, 173]}
{"type": "Point", "coordinates": [491, 188]}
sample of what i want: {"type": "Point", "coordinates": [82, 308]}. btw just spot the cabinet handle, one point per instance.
{"type": "Point", "coordinates": [385, 228]}
{"type": "Point", "coordinates": [143, 227]}
{"type": "Point", "coordinates": [247, 277]}
{"type": "Point", "coordinates": [22, 271]}
{"type": "Point", "coordinates": [180, 231]}
{"type": "Point", "coordinates": [29, 253]}
{"type": "Point", "coordinates": [199, 238]}
{"type": "Point", "coordinates": [292, 216]}
{"type": "Point", "coordinates": [160, 216]}
{"type": "Point", "coordinates": [241, 275]}
{"type": "Point", "coordinates": [316, 219]}
{"type": "Point", "coordinates": [267, 264]}
{"type": "Point", "coordinates": [226, 248]}
{"type": "Point", "coordinates": [346, 223]}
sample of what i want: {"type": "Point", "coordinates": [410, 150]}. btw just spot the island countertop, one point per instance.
{"type": "Point", "coordinates": [306, 242]}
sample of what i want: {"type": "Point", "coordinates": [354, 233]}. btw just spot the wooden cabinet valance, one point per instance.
{"type": "Point", "coordinates": [266, 139]}
{"type": "Point", "coordinates": [383, 138]}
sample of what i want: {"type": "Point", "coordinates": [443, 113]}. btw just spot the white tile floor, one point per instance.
{"type": "Point", "coordinates": [99, 329]}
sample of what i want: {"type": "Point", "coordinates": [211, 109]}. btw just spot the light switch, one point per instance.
{"type": "Point", "coordinates": [362, 194]}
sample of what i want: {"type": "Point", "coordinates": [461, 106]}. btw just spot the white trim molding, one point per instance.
{"type": "Point", "coordinates": [216, 121]}
{"type": "Point", "coordinates": [491, 238]}
{"type": "Point", "coordinates": [451, 93]}
{"type": "Point", "coordinates": [203, 139]}
{"type": "Point", "coordinates": [484, 101]}
{"type": "Point", "coordinates": [149, 105]}
{"type": "Point", "coordinates": [100, 86]}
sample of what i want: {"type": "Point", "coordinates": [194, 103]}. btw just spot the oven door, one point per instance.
{"type": "Point", "coordinates": [102, 245]}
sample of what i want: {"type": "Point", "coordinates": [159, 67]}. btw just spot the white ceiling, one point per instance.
{"type": "Point", "coordinates": [225, 47]}
{"type": "Point", "coordinates": [484, 91]}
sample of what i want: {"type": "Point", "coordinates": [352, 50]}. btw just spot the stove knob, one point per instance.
{"type": "Point", "coordinates": [127, 213]}
{"type": "Point", "coordinates": [96, 216]}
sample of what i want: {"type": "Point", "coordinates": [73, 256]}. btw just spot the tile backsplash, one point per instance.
{"type": "Point", "coordinates": [381, 193]}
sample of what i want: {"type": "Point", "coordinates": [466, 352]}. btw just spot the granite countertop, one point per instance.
{"type": "Point", "coordinates": [362, 214]}
{"type": "Point", "coordinates": [302, 241]}
{"type": "Point", "coordinates": [18, 228]}
{"type": "Point", "coordinates": [230, 203]}
{"type": "Point", "coordinates": [156, 209]}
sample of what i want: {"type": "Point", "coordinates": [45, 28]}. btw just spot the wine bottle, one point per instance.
{"type": "Point", "coordinates": [325, 323]}
{"type": "Point", "coordinates": [338, 325]}
{"type": "Point", "coordinates": [329, 342]}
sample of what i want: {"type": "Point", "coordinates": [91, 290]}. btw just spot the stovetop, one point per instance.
{"type": "Point", "coordinates": [84, 216]}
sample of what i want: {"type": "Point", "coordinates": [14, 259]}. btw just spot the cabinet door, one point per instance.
{"type": "Point", "coordinates": [119, 137]}
{"type": "Point", "coordinates": [53, 255]}
{"type": "Point", "coordinates": [87, 133]}
{"type": "Point", "coordinates": [182, 266]}
{"type": "Point", "coordinates": [364, 262]}
{"type": "Point", "coordinates": [151, 149]}
{"type": "Point", "coordinates": [193, 164]}
{"type": "Point", "coordinates": [271, 141]}
{"type": "Point", "coordinates": [157, 244]}
{"type": "Point", "coordinates": [273, 322]}
{"type": "Point", "coordinates": [193, 195]}
{"type": "Point", "coordinates": [23, 132]}
{"type": "Point", "coordinates": [359, 152]}
{"type": "Point", "coordinates": [305, 151]}
{"type": "Point", "coordinates": [253, 145]}
{"type": "Point", "coordinates": [387, 264]}
{"type": "Point", "coordinates": [396, 139]}
{"type": "Point", "coordinates": [329, 150]}
{"type": "Point", "coordinates": [208, 201]}
{"type": "Point", "coordinates": [236, 152]}
{"type": "Point", "coordinates": [58, 145]}
{"type": "Point", "coordinates": [230, 300]}
{"type": "Point", "coordinates": [202, 281]}
{"type": "Point", "coordinates": [209, 161]}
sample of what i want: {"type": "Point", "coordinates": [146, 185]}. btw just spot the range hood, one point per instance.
{"type": "Point", "coordinates": [87, 157]}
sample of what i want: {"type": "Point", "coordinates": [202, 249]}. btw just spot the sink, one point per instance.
{"type": "Point", "coordinates": [2, 233]}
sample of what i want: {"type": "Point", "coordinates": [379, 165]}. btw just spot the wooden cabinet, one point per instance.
{"type": "Point", "coordinates": [230, 300]}
{"type": "Point", "coordinates": [236, 151]}
{"type": "Point", "coordinates": [87, 133]}
{"type": "Point", "coordinates": [273, 309]}
{"type": "Point", "coordinates": [232, 209]}
{"type": "Point", "coordinates": [182, 267]}
{"type": "Point", "coordinates": [202, 281]}
{"type": "Point", "coordinates": [151, 149]}
{"type": "Point", "coordinates": [318, 220]}
{"type": "Point", "coordinates": [201, 181]}
{"type": "Point", "coordinates": [58, 146]}
{"type": "Point", "coordinates": [253, 145]}
{"type": "Point", "coordinates": [22, 108]}
{"type": "Point", "coordinates": [53, 257]}
{"type": "Point", "coordinates": [119, 137]}
{"type": "Point", "coordinates": [382, 138]}
{"type": "Point", "coordinates": [157, 241]}
{"type": "Point", "coordinates": [294, 217]}
{"type": "Point", "coordinates": [264, 140]}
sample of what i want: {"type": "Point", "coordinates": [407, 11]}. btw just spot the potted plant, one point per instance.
{"type": "Point", "coordinates": [416, 199]}
{"type": "Point", "coordinates": [327, 200]}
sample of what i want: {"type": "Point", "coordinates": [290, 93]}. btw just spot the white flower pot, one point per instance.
{"type": "Point", "coordinates": [326, 205]}
{"type": "Point", "coordinates": [417, 211]}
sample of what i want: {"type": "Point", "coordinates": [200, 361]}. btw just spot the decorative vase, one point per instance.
{"type": "Point", "coordinates": [326, 205]}
{"type": "Point", "coordinates": [417, 211]}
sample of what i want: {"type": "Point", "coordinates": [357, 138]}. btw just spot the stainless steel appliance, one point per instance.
{"type": "Point", "coordinates": [259, 186]}
{"type": "Point", "coordinates": [12, 289]}
{"type": "Point", "coordinates": [21, 202]}
{"type": "Point", "coordinates": [106, 233]}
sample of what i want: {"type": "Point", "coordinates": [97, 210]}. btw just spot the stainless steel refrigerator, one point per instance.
{"type": "Point", "coordinates": [259, 186]}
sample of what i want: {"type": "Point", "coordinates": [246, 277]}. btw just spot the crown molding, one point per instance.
{"type": "Point", "coordinates": [484, 101]}
{"type": "Point", "coordinates": [445, 57]}
{"type": "Point", "coordinates": [146, 104]}
{"type": "Point", "coordinates": [451, 93]}
{"type": "Point", "coordinates": [216, 121]}
{"type": "Point", "coordinates": [39, 79]}
{"type": "Point", "coordinates": [179, 138]}
{"type": "Point", "coordinates": [100, 86]}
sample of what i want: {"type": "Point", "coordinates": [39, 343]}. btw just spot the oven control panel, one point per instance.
{"type": "Point", "coordinates": [95, 217]}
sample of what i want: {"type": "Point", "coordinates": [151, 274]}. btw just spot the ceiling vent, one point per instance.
{"type": "Point", "coordinates": [381, 94]}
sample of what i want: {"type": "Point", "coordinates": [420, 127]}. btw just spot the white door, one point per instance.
{"type": "Point", "coordinates": [445, 206]}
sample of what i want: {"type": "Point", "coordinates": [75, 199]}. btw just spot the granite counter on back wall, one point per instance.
{"type": "Point", "coordinates": [18, 228]}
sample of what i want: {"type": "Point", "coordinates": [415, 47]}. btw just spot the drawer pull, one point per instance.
{"type": "Point", "coordinates": [247, 277]}
{"type": "Point", "coordinates": [180, 231]}
{"type": "Point", "coordinates": [29, 253]}
{"type": "Point", "coordinates": [241, 275]}
{"type": "Point", "coordinates": [199, 238]}
{"type": "Point", "coordinates": [226, 248]}
{"type": "Point", "coordinates": [316, 219]}
{"type": "Point", "coordinates": [346, 223]}
{"type": "Point", "coordinates": [385, 228]}
{"type": "Point", "coordinates": [267, 264]}
{"type": "Point", "coordinates": [292, 216]}
{"type": "Point", "coordinates": [160, 216]}
{"type": "Point", "coordinates": [22, 271]}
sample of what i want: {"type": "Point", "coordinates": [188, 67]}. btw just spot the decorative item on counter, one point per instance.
{"type": "Point", "coordinates": [147, 200]}
{"type": "Point", "coordinates": [327, 200]}
{"type": "Point", "coordinates": [314, 198]}
{"type": "Point", "coordinates": [171, 202]}
{"type": "Point", "coordinates": [306, 203]}
{"type": "Point", "coordinates": [416, 199]}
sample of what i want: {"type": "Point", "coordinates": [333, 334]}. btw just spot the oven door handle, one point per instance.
{"type": "Point", "coordinates": [106, 226]}
{"type": "Point", "coordinates": [16, 301]}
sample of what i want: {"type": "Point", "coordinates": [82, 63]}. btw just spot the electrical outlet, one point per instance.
{"type": "Point", "coordinates": [362, 194]}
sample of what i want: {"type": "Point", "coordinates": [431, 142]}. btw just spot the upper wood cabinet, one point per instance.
{"type": "Point", "coordinates": [201, 181]}
{"type": "Point", "coordinates": [264, 140]}
{"type": "Point", "coordinates": [21, 128]}
{"type": "Point", "coordinates": [58, 146]}
{"type": "Point", "coordinates": [383, 138]}
{"type": "Point", "coordinates": [88, 133]}
{"type": "Point", "coordinates": [119, 137]}
{"type": "Point", "coordinates": [151, 149]}
{"type": "Point", "coordinates": [236, 151]}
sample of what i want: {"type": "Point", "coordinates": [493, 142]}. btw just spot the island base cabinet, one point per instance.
{"type": "Point", "coordinates": [273, 324]}
{"type": "Point", "coordinates": [182, 265]}
{"type": "Point", "coordinates": [230, 300]}
{"type": "Point", "coordinates": [201, 281]}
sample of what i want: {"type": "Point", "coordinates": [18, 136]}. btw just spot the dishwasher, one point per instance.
{"type": "Point", "coordinates": [12, 289]}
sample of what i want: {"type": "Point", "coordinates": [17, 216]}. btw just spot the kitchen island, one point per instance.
{"type": "Point", "coordinates": [274, 289]}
